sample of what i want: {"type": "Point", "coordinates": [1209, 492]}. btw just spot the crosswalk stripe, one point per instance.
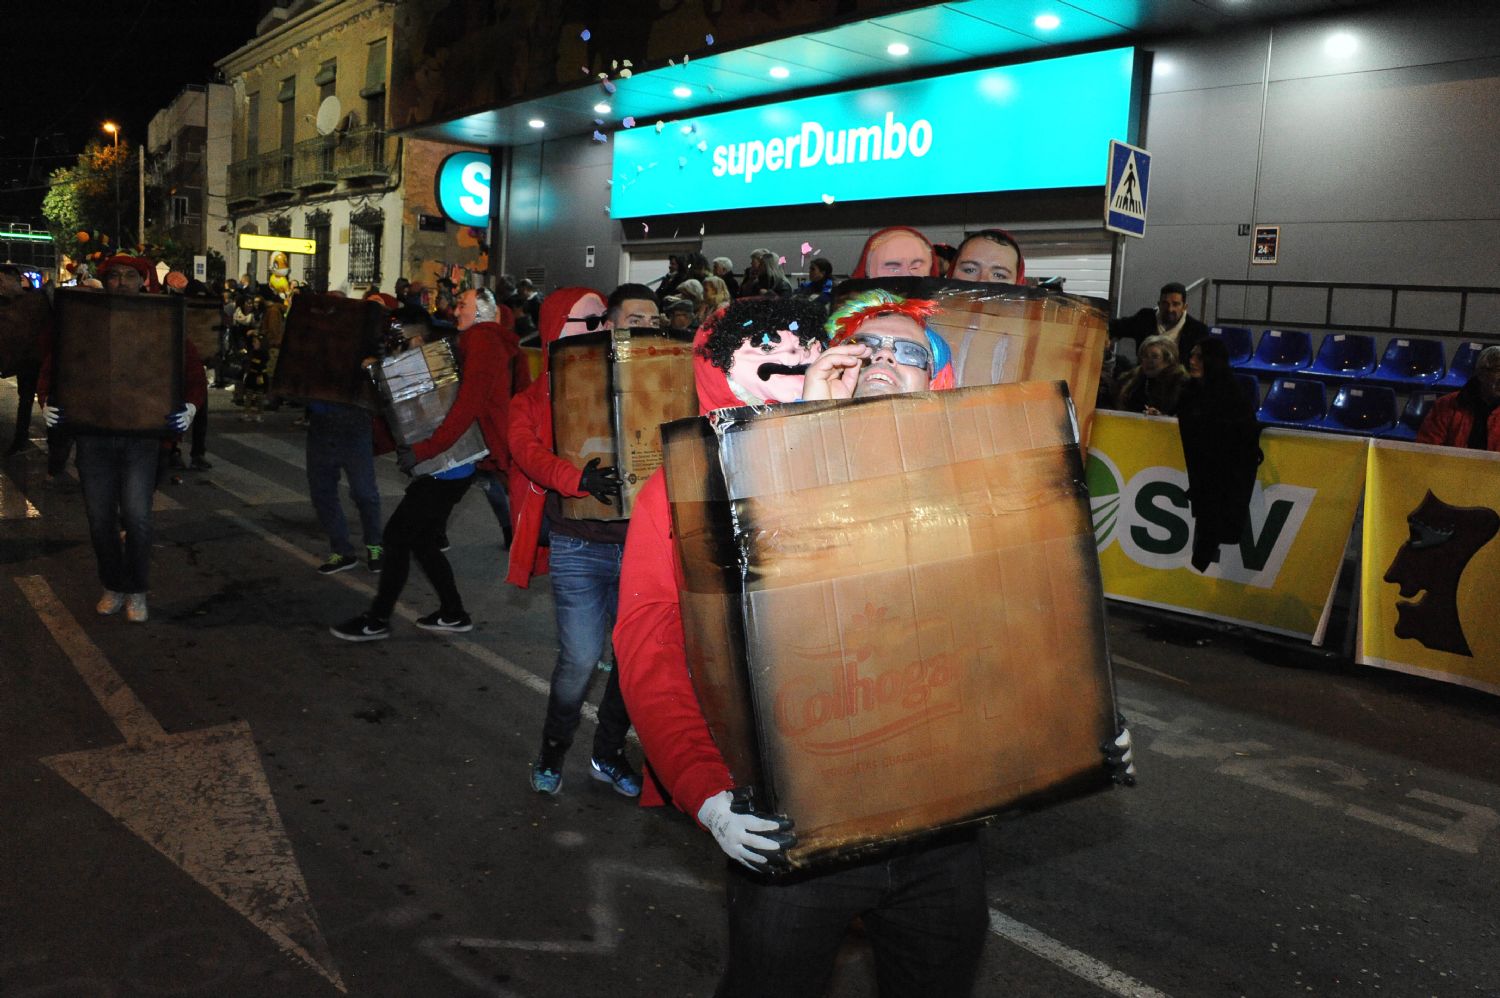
{"type": "Point", "coordinates": [292, 454]}
{"type": "Point", "coordinates": [249, 487]}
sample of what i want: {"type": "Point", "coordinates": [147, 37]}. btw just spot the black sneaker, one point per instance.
{"type": "Point", "coordinates": [439, 622]}
{"type": "Point", "coordinates": [362, 628]}
{"type": "Point", "coordinates": [337, 563]}
{"type": "Point", "coordinates": [443, 544]}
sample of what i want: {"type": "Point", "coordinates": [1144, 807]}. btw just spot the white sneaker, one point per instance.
{"type": "Point", "coordinates": [135, 608]}
{"type": "Point", "coordinates": [109, 603]}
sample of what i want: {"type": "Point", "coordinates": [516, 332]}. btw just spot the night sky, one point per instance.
{"type": "Point", "coordinates": [69, 69]}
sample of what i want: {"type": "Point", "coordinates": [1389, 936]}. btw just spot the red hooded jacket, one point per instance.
{"type": "Point", "coordinates": [534, 467]}
{"type": "Point", "coordinates": [486, 350]}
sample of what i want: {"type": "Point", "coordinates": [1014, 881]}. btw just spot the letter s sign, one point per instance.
{"type": "Point", "coordinates": [463, 188]}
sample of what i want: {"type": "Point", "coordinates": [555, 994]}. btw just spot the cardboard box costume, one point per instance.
{"type": "Point", "coordinates": [117, 361]}
{"type": "Point", "coordinates": [417, 388]}
{"type": "Point", "coordinates": [326, 340]}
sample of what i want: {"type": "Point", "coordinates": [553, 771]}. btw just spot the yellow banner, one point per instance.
{"type": "Point", "coordinates": [277, 244]}
{"type": "Point", "coordinates": [1278, 578]}
{"type": "Point", "coordinates": [1430, 590]}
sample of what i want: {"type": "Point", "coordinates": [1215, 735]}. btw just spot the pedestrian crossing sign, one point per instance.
{"type": "Point", "coordinates": [1125, 194]}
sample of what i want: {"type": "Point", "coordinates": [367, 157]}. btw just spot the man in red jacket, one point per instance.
{"type": "Point", "coordinates": [420, 522]}
{"type": "Point", "coordinates": [584, 555]}
{"type": "Point", "coordinates": [1469, 417]}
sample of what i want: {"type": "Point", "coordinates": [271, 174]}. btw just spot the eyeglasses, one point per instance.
{"type": "Point", "coordinates": [590, 322]}
{"type": "Point", "coordinates": [908, 353]}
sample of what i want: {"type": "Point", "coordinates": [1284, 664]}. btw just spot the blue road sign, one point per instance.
{"type": "Point", "coordinates": [1125, 194]}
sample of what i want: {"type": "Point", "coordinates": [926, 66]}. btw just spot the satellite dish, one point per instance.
{"type": "Point", "coordinates": [349, 121]}
{"type": "Point", "coordinates": [328, 115]}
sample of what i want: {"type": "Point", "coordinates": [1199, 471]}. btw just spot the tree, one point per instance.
{"type": "Point", "coordinates": [92, 207]}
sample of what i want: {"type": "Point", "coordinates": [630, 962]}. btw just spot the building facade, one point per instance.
{"type": "Point", "coordinates": [188, 146]}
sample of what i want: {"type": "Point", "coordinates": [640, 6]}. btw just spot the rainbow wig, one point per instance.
{"type": "Point", "coordinates": [855, 310]}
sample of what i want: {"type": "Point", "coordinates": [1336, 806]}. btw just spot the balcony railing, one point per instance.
{"type": "Point", "coordinates": [364, 155]}
{"type": "Point", "coordinates": [244, 182]}
{"type": "Point", "coordinates": [314, 164]}
{"type": "Point", "coordinates": [276, 173]}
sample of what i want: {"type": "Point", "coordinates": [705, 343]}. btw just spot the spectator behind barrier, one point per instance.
{"type": "Point", "coordinates": [1156, 385]}
{"type": "Point", "coordinates": [1220, 444]}
{"type": "Point", "coordinates": [1469, 417]}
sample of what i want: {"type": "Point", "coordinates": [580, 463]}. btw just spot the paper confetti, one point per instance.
{"type": "Point", "coordinates": [609, 87]}
{"type": "Point", "coordinates": [703, 146]}
{"type": "Point", "coordinates": [792, 326]}
{"type": "Point", "coordinates": [627, 64]}
{"type": "Point", "coordinates": [806, 248]}
{"type": "Point", "coordinates": [711, 88]}
{"type": "Point", "coordinates": [659, 126]}
{"type": "Point", "coordinates": [585, 70]}
{"type": "Point", "coordinates": [614, 64]}
{"type": "Point", "coordinates": [600, 137]}
{"type": "Point", "coordinates": [671, 62]}
{"type": "Point", "coordinates": [828, 199]}
{"type": "Point", "coordinates": [709, 39]}
{"type": "Point", "coordinates": [625, 74]}
{"type": "Point", "coordinates": [781, 261]}
{"type": "Point", "coordinates": [599, 122]}
{"type": "Point", "coordinates": [681, 162]}
{"type": "Point", "coordinates": [702, 228]}
{"type": "Point", "coordinates": [585, 34]}
{"type": "Point", "coordinates": [685, 58]}
{"type": "Point", "coordinates": [645, 229]}
{"type": "Point", "coordinates": [629, 122]}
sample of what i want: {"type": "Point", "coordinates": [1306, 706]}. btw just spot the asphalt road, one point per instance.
{"type": "Point", "coordinates": [295, 815]}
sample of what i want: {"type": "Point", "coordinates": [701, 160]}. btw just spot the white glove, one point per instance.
{"type": "Point", "coordinates": [736, 832]}
{"type": "Point", "coordinates": [1119, 757]}
{"type": "Point", "coordinates": [51, 415]}
{"type": "Point", "coordinates": [183, 418]}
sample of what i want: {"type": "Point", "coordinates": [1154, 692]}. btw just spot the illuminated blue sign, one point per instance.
{"type": "Point", "coordinates": [463, 188]}
{"type": "Point", "coordinates": [1012, 128]}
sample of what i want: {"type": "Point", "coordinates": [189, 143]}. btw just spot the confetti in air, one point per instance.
{"type": "Point", "coordinates": [828, 199]}
{"type": "Point", "coordinates": [781, 261]}
{"type": "Point", "coordinates": [703, 146]}
{"type": "Point", "coordinates": [709, 39]}
{"type": "Point", "coordinates": [625, 74]}
{"type": "Point", "coordinates": [792, 326]}
{"type": "Point", "coordinates": [599, 122]}
{"type": "Point", "coordinates": [609, 87]}
{"type": "Point", "coordinates": [628, 122]}
{"type": "Point", "coordinates": [659, 126]}
{"type": "Point", "coordinates": [645, 229]}
{"type": "Point", "coordinates": [681, 162]}
{"type": "Point", "coordinates": [614, 64]}
{"type": "Point", "coordinates": [585, 34]}
{"type": "Point", "coordinates": [600, 137]}
{"type": "Point", "coordinates": [702, 228]}
{"type": "Point", "coordinates": [627, 64]}
{"type": "Point", "coordinates": [806, 248]}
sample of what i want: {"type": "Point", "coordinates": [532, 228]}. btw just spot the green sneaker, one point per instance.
{"type": "Point", "coordinates": [374, 557]}
{"type": "Point", "coordinates": [337, 563]}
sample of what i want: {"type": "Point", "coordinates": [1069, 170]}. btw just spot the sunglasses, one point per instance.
{"type": "Point", "coordinates": [908, 353]}
{"type": "Point", "coordinates": [590, 322]}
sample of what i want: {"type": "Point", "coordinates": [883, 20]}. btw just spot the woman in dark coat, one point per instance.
{"type": "Point", "coordinates": [1156, 385]}
{"type": "Point", "coordinates": [1221, 445]}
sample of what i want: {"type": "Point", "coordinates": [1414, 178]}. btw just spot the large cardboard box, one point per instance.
{"type": "Point", "coordinates": [893, 609]}
{"type": "Point", "coordinates": [1003, 333]}
{"type": "Point", "coordinates": [204, 319]}
{"type": "Point", "coordinates": [22, 319]}
{"type": "Point", "coordinates": [327, 339]}
{"type": "Point", "coordinates": [611, 391]}
{"type": "Point", "coordinates": [417, 388]}
{"type": "Point", "coordinates": [117, 361]}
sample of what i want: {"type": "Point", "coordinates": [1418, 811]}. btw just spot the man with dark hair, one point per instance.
{"type": "Point", "coordinates": [27, 363]}
{"type": "Point", "coordinates": [819, 283]}
{"type": "Point", "coordinates": [1169, 318]}
{"type": "Point", "coordinates": [991, 256]}
{"type": "Point", "coordinates": [584, 555]}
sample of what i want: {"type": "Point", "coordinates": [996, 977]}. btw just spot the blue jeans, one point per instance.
{"type": "Point", "coordinates": [585, 592]}
{"type": "Point", "coordinates": [118, 475]}
{"type": "Point", "coordinates": [924, 911]}
{"type": "Point", "coordinates": [493, 484]}
{"type": "Point", "coordinates": [341, 440]}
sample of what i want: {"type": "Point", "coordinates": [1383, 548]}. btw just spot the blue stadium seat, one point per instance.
{"type": "Point", "coordinates": [1411, 363]}
{"type": "Point", "coordinates": [1412, 415]}
{"type": "Point", "coordinates": [1462, 367]}
{"type": "Point", "coordinates": [1237, 339]}
{"type": "Point", "coordinates": [1344, 355]}
{"type": "Point", "coordinates": [1361, 408]}
{"type": "Point", "coordinates": [1294, 402]}
{"type": "Point", "coordinates": [1281, 350]}
{"type": "Point", "coordinates": [1249, 386]}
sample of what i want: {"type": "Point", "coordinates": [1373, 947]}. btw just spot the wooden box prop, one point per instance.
{"type": "Point", "coordinates": [326, 340]}
{"type": "Point", "coordinates": [204, 319]}
{"type": "Point", "coordinates": [611, 391]}
{"type": "Point", "coordinates": [22, 319]}
{"type": "Point", "coordinates": [417, 388]}
{"type": "Point", "coordinates": [117, 361]}
{"type": "Point", "coordinates": [1003, 333]}
{"type": "Point", "coordinates": [893, 609]}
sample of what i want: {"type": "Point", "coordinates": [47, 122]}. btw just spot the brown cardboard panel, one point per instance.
{"type": "Point", "coordinates": [323, 349]}
{"type": "Point", "coordinates": [609, 397]}
{"type": "Point", "coordinates": [117, 360]}
{"type": "Point", "coordinates": [1002, 333]}
{"type": "Point", "coordinates": [417, 388]}
{"type": "Point", "coordinates": [21, 321]}
{"type": "Point", "coordinates": [893, 609]}
{"type": "Point", "coordinates": [203, 319]}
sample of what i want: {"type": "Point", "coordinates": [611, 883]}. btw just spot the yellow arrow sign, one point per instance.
{"type": "Point", "coordinates": [284, 244]}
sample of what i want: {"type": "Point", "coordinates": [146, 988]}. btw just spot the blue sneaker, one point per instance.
{"type": "Point", "coordinates": [546, 779]}
{"type": "Point", "coordinates": [618, 773]}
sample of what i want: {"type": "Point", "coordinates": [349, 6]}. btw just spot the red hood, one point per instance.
{"type": "Point", "coordinates": [554, 312]}
{"type": "Point", "coordinates": [713, 384]}
{"type": "Point", "coordinates": [1020, 277]}
{"type": "Point", "coordinates": [859, 266]}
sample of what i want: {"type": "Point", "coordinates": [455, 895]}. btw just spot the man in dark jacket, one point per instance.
{"type": "Point", "coordinates": [1169, 318]}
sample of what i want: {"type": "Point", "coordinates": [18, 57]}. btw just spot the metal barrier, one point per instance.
{"type": "Point", "coordinates": [1374, 308]}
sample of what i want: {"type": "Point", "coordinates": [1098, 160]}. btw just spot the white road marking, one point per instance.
{"type": "Point", "coordinates": [200, 798]}
{"type": "Point", "coordinates": [1078, 964]}
{"type": "Point", "coordinates": [1132, 664]}
{"type": "Point", "coordinates": [247, 486]}
{"type": "Point", "coordinates": [288, 453]}
{"type": "Point", "coordinates": [13, 502]}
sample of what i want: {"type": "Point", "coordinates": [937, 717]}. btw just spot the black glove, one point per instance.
{"type": "Point", "coordinates": [405, 459]}
{"type": "Point", "coordinates": [601, 483]}
{"type": "Point", "coordinates": [1119, 754]}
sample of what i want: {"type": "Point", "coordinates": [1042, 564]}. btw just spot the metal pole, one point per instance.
{"type": "Point", "coordinates": [140, 159]}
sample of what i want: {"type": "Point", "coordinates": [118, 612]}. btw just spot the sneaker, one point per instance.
{"type": "Point", "coordinates": [201, 464]}
{"type": "Point", "coordinates": [110, 602]}
{"type": "Point", "coordinates": [546, 778]}
{"type": "Point", "coordinates": [618, 773]}
{"type": "Point", "coordinates": [135, 608]}
{"type": "Point", "coordinates": [337, 563]}
{"type": "Point", "coordinates": [374, 557]}
{"type": "Point", "coordinates": [362, 628]}
{"type": "Point", "coordinates": [439, 622]}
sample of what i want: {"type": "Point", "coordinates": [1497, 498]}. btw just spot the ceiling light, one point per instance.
{"type": "Point", "coordinates": [1047, 22]}
{"type": "Point", "coordinates": [898, 48]}
{"type": "Point", "coordinates": [601, 108]}
{"type": "Point", "coordinates": [780, 72]}
{"type": "Point", "coordinates": [1340, 45]}
{"type": "Point", "coordinates": [682, 92]}
{"type": "Point", "coordinates": [537, 123]}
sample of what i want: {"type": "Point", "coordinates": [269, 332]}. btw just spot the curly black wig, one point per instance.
{"type": "Point", "coordinates": [749, 317]}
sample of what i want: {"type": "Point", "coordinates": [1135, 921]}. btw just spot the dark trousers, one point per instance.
{"type": "Point", "coordinates": [416, 529]}
{"type": "Point", "coordinates": [492, 483]}
{"type": "Point", "coordinates": [339, 441]}
{"type": "Point", "coordinates": [118, 475]}
{"type": "Point", "coordinates": [924, 912]}
{"type": "Point", "coordinates": [26, 380]}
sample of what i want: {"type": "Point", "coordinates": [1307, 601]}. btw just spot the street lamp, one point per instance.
{"type": "Point", "coordinates": [114, 129]}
